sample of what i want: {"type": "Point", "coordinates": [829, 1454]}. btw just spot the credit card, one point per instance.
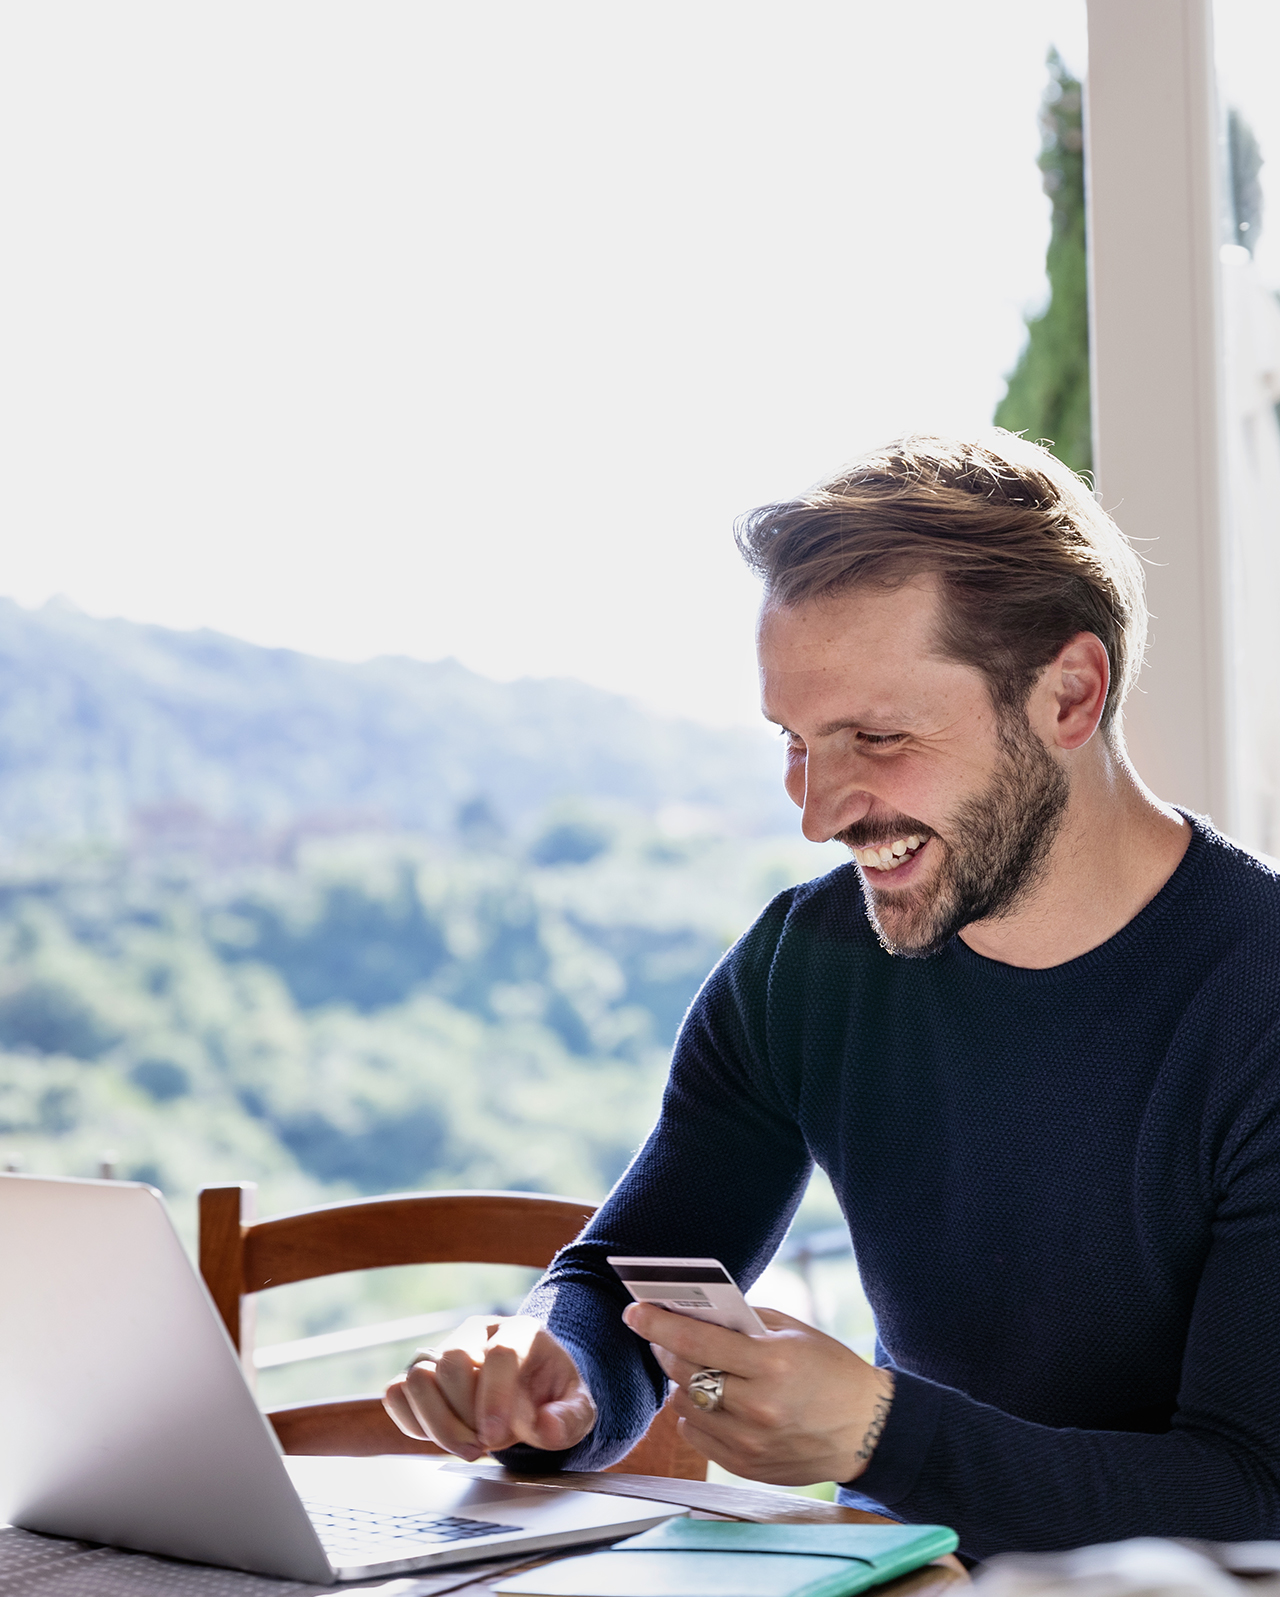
{"type": "Point", "coordinates": [701, 1288]}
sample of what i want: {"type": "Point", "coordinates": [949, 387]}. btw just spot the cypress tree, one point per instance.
{"type": "Point", "coordinates": [1048, 391]}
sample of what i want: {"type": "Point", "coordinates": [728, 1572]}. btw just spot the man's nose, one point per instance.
{"type": "Point", "coordinates": [832, 799]}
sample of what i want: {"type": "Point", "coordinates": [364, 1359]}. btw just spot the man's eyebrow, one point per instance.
{"type": "Point", "coordinates": [898, 723]}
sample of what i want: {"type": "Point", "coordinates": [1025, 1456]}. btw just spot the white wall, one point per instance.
{"type": "Point", "coordinates": [1154, 218]}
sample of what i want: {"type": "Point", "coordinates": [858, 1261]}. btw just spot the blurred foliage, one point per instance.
{"type": "Point", "coordinates": [1244, 165]}
{"type": "Point", "coordinates": [386, 1013]}
{"type": "Point", "coordinates": [381, 1013]}
{"type": "Point", "coordinates": [351, 929]}
{"type": "Point", "coordinates": [1048, 391]}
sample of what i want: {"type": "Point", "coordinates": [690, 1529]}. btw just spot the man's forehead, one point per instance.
{"type": "Point", "coordinates": [862, 658]}
{"type": "Point", "coordinates": [854, 618]}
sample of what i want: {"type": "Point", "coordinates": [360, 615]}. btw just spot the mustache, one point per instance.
{"type": "Point", "coordinates": [862, 833]}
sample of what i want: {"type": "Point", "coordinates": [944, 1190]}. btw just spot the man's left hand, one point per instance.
{"type": "Point", "coordinates": [798, 1406]}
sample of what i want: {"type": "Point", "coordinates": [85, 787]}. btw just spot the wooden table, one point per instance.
{"type": "Point", "coordinates": [32, 1566]}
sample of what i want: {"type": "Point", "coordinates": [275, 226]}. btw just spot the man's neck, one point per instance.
{"type": "Point", "coordinates": [1117, 847]}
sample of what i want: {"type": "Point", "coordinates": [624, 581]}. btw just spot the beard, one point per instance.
{"type": "Point", "coordinates": [1002, 836]}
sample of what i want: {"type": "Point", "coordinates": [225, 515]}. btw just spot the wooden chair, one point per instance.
{"type": "Point", "coordinates": [241, 1256]}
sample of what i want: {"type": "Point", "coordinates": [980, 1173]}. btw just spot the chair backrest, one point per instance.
{"type": "Point", "coordinates": [241, 1255]}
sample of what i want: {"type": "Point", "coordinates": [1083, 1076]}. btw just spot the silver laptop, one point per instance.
{"type": "Point", "coordinates": [125, 1419]}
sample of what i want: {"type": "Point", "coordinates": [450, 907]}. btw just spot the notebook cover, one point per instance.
{"type": "Point", "coordinates": [715, 1558]}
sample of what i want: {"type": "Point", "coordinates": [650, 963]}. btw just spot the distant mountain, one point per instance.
{"type": "Point", "coordinates": [108, 729]}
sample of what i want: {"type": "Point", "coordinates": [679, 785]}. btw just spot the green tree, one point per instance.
{"type": "Point", "coordinates": [1048, 392]}
{"type": "Point", "coordinates": [1245, 164]}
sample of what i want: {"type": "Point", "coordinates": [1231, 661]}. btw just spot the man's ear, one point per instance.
{"type": "Point", "coordinates": [1071, 693]}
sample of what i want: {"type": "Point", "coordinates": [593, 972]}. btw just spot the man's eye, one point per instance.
{"type": "Point", "coordinates": [878, 740]}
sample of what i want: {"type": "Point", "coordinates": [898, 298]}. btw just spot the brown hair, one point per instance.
{"type": "Point", "coordinates": [1026, 555]}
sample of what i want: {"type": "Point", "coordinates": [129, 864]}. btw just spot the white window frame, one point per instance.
{"type": "Point", "coordinates": [1153, 180]}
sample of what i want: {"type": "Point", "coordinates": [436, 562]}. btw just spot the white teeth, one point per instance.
{"type": "Point", "coordinates": [888, 856]}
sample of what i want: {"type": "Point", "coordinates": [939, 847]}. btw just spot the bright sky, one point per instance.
{"type": "Point", "coordinates": [405, 326]}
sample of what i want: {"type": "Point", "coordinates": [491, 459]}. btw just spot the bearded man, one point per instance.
{"type": "Point", "coordinates": [1030, 1032]}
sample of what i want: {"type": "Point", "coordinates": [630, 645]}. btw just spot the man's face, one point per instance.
{"type": "Point", "coordinates": [949, 808]}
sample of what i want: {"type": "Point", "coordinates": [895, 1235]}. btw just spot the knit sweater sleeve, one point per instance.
{"type": "Point", "coordinates": [720, 1176]}
{"type": "Point", "coordinates": [1004, 1482]}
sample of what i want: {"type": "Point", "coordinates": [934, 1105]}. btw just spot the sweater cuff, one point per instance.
{"type": "Point", "coordinates": [604, 1443]}
{"type": "Point", "coordinates": [905, 1442]}
{"type": "Point", "coordinates": [532, 1460]}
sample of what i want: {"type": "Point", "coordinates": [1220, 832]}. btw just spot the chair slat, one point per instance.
{"type": "Point", "coordinates": [352, 1427]}
{"type": "Point", "coordinates": [663, 1451]}
{"type": "Point", "coordinates": [416, 1228]}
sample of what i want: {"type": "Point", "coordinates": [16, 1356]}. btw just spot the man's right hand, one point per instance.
{"type": "Point", "coordinates": [495, 1382]}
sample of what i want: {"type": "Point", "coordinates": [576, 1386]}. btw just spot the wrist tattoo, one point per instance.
{"type": "Point", "coordinates": [879, 1415]}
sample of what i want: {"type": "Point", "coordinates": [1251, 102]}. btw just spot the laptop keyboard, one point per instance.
{"type": "Point", "coordinates": [372, 1530]}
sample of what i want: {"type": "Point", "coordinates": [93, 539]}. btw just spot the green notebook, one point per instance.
{"type": "Point", "coordinates": [718, 1558]}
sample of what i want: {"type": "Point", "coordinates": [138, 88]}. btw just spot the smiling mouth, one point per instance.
{"type": "Point", "coordinates": [889, 856]}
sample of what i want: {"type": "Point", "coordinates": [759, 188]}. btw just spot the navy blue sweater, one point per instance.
{"type": "Point", "coordinates": [1063, 1189]}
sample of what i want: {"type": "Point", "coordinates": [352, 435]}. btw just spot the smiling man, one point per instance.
{"type": "Point", "coordinates": [1031, 1032]}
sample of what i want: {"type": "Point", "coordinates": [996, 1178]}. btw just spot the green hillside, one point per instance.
{"type": "Point", "coordinates": [111, 730]}
{"type": "Point", "coordinates": [386, 1013]}
{"type": "Point", "coordinates": [352, 929]}
{"type": "Point", "coordinates": [389, 1013]}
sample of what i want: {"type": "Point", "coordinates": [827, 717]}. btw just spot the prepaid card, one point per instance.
{"type": "Point", "coordinates": [711, 1558]}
